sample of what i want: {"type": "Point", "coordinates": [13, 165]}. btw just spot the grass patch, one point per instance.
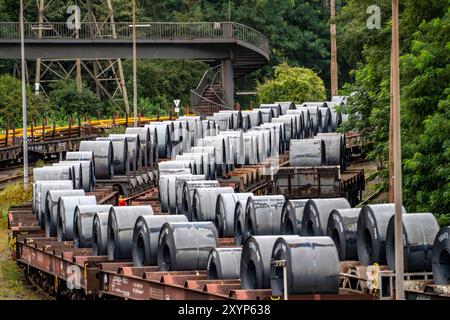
{"type": "Point", "coordinates": [12, 195]}
{"type": "Point", "coordinates": [13, 284]}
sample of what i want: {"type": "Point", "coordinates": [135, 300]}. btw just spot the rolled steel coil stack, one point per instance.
{"type": "Point", "coordinates": [168, 190]}
{"type": "Point", "coordinates": [312, 265]}
{"type": "Point", "coordinates": [440, 258]}
{"type": "Point", "coordinates": [307, 152]}
{"type": "Point", "coordinates": [189, 187]}
{"type": "Point", "coordinates": [316, 214]}
{"type": "Point", "coordinates": [263, 215]}
{"type": "Point", "coordinates": [52, 208]}
{"type": "Point", "coordinates": [224, 263]}
{"type": "Point", "coordinates": [225, 210]}
{"type": "Point", "coordinates": [419, 233]}
{"type": "Point", "coordinates": [292, 216]}
{"type": "Point", "coordinates": [186, 245]}
{"type": "Point", "coordinates": [145, 237]}
{"type": "Point", "coordinates": [40, 194]}
{"type": "Point", "coordinates": [120, 226]}
{"type": "Point", "coordinates": [83, 220]}
{"type": "Point", "coordinates": [341, 227]}
{"type": "Point", "coordinates": [103, 157]}
{"type": "Point", "coordinates": [372, 231]}
{"type": "Point", "coordinates": [66, 211]}
{"type": "Point", "coordinates": [204, 202]}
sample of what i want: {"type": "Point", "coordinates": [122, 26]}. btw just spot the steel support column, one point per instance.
{"type": "Point", "coordinates": [228, 81]}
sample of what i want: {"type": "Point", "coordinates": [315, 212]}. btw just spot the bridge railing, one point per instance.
{"type": "Point", "coordinates": [145, 30]}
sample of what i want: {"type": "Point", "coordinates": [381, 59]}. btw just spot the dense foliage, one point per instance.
{"type": "Point", "coordinates": [291, 84]}
{"type": "Point", "coordinates": [425, 94]}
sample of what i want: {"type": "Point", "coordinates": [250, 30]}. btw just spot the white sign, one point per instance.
{"type": "Point", "coordinates": [177, 110]}
{"type": "Point", "coordinates": [177, 102]}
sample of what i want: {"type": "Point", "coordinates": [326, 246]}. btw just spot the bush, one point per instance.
{"type": "Point", "coordinates": [291, 84]}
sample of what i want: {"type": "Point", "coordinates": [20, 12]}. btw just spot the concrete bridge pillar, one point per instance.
{"type": "Point", "coordinates": [228, 81]}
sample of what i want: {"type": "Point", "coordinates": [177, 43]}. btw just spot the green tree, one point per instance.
{"type": "Point", "coordinates": [291, 84]}
{"type": "Point", "coordinates": [11, 102]}
{"type": "Point", "coordinates": [65, 101]}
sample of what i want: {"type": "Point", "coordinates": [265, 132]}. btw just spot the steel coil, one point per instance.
{"type": "Point", "coordinates": [186, 245]}
{"type": "Point", "coordinates": [255, 117]}
{"type": "Point", "coordinates": [261, 151]}
{"type": "Point", "coordinates": [327, 125]}
{"type": "Point", "coordinates": [40, 194]}
{"type": "Point", "coordinates": [121, 221]}
{"type": "Point", "coordinates": [316, 214]}
{"type": "Point", "coordinates": [316, 117]}
{"type": "Point", "coordinates": [189, 188]}
{"type": "Point", "coordinates": [250, 148]}
{"type": "Point", "coordinates": [76, 171]}
{"type": "Point", "coordinates": [231, 122]}
{"type": "Point", "coordinates": [164, 139]}
{"type": "Point", "coordinates": [154, 151]}
{"type": "Point", "coordinates": [267, 144]}
{"type": "Point", "coordinates": [289, 130]}
{"type": "Point", "coordinates": [51, 208]}
{"type": "Point", "coordinates": [204, 203]}
{"type": "Point", "coordinates": [83, 220]}
{"type": "Point", "coordinates": [336, 116]}
{"type": "Point", "coordinates": [239, 222]}
{"type": "Point", "coordinates": [168, 167]}
{"type": "Point", "coordinates": [168, 190]}
{"type": "Point", "coordinates": [263, 215]}
{"type": "Point", "coordinates": [236, 143]}
{"type": "Point", "coordinates": [285, 106]}
{"type": "Point", "coordinates": [54, 173]}
{"type": "Point", "coordinates": [297, 127]}
{"type": "Point", "coordinates": [145, 146]}
{"type": "Point", "coordinates": [66, 211]}
{"type": "Point", "coordinates": [371, 233]}
{"type": "Point", "coordinates": [220, 144]}
{"type": "Point", "coordinates": [87, 179]}
{"type": "Point", "coordinates": [212, 159]}
{"type": "Point", "coordinates": [209, 128]}
{"type": "Point", "coordinates": [266, 115]}
{"type": "Point", "coordinates": [103, 157]}
{"type": "Point", "coordinates": [99, 234]}
{"type": "Point", "coordinates": [277, 133]}
{"type": "Point", "coordinates": [223, 122]}
{"type": "Point", "coordinates": [255, 261]}
{"type": "Point", "coordinates": [419, 232]}
{"type": "Point", "coordinates": [224, 263]}
{"type": "Point", "coordinates": [305, 117]}
{"type": "Point", "coordinates": [307, 152]}
{"type": "Point", "coordinates": [341, 227]}
{"type": "Point", "coordinates": [134, 148]}
{"type": "Point", "coordinates": [80, 156]}
{"type": "Point", "coordinates": [195, 128]}
{"type": "Point", "coordinates": [334, 149]}
{"type": "Point", "coordinates": [441, 257]}
{"type": "Point", "coordinates": [312, 266]}
{"type": "Point", "coordinates": [198, 162]}
{"type": "Point", "coordinates": [274, 106]}
{"type": "Point", "coordinates": [121, 154]}
{"type": "Point", "coordinates": [179, 184]}
{"type": "Point", "coordinates": [246, 122]}
{"type": "Point", "coordinates": [292, 216]}
{"type": "Point", "coordinates": [225, 209]}
{"type": "Point", "coordinates": [237, 118]}
{"type": "Point", "coordinates": [145, 238]}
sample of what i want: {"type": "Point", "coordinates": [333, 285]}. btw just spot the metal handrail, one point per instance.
{"type": "Point", "coordinates": [145, 30]}
{"type": "Point", "coordinates": [207, 80]}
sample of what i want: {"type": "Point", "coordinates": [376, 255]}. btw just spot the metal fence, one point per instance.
{"type": "Point", "coordinates": [144, 30]}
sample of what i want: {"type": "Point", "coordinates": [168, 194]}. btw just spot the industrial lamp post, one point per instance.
{"type": "Point", "coordinates": [134, 67]}
{"type": "Point", "coordinates": [24, 100]}
{"type": "Point", "coordinates": [395, 105]}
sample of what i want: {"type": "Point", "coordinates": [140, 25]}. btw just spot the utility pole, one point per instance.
{"type": "Point", "coordinates": [399, 266]}
{"type": "Point", "coordinates": [24, 100]}
{"type": "Point", "coordinates": [134, 66]}
{"type": "Point", "coordinates": [229, 10]}
{"type": "Point", "coordinates": [333, 62]}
